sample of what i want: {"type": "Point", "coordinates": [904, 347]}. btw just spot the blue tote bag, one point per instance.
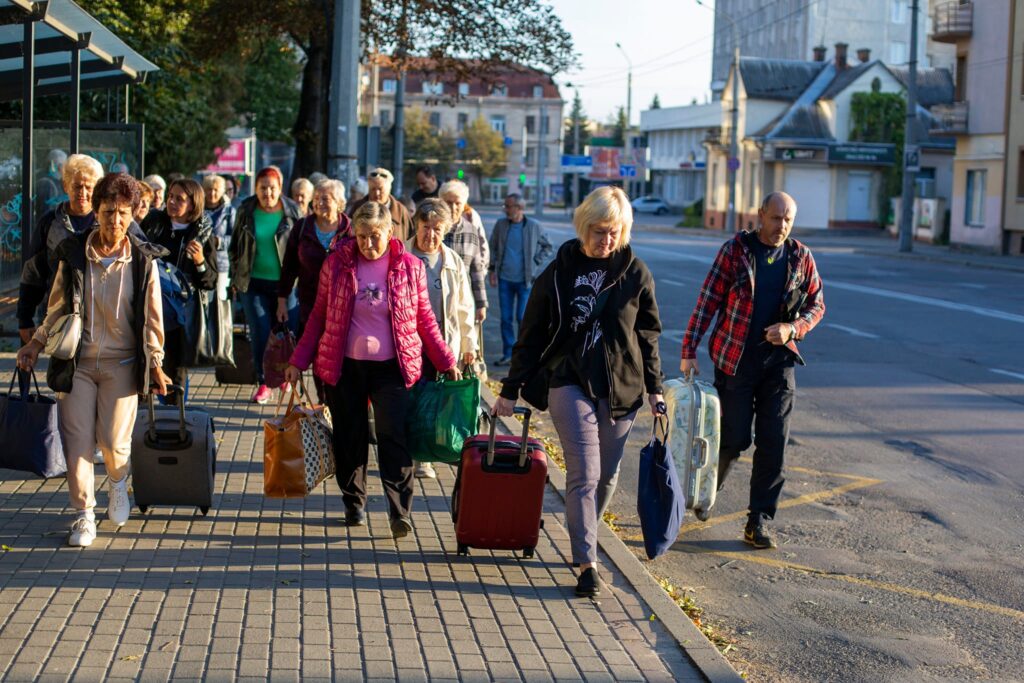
{"type": "Point", "coordinates": [29, 432]}
{"type": "Point", "coordinates": [660, 501]}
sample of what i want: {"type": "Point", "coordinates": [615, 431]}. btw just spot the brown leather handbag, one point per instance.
{"type": "Point", "coordinates": [298, 452]}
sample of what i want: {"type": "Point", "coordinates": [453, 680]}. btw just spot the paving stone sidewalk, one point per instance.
{"type": "Point", "coordinates": [278, 589]}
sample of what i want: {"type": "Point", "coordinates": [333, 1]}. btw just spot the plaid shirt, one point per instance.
{"type": "Point", "coordinates": [469, 241]}
{"type": "Point", "coordinates": [728, 291]}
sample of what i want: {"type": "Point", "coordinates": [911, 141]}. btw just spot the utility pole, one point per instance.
{"type": "Point", "coordinates": [342, 141]}
{"type": "Point", "coordinates": [541, 157]}
{"type": "Point", "coordinates": [909, 176]}
{"type": "Point", "coordinates": [629, 111]}
{"type": "Point", "coordinates": [398, 151]}
{"type": "Point", "coordinates": [576, 151]}
{"type": "Point", "coordinates": [732, 164]}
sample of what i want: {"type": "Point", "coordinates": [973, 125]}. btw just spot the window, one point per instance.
{"type": "Point", "coordinates": [531, 125]}
{"type": "Point", "coordinates": [545, 125]}
{"type": "Point", "coordinates": [385, 118]}
{"type": "Point", "coordinates": [899, 11]}
{"type": "Point", "coordinates": [500, 91]}
{"type": "Point", "coordinates": [433, 88]}
{"type": "Point", "coordinates": [897, 52]}
{"type": "Point", "coordinates": [974, 211]}
{"type": "Point", "coordinates": [435, 120]}
{"type": "Point", "coordinates": [498, 123]}
{"type": "Point", "coordinates": [1020, 173]}
{"type": "Point", "coordinates": [544, 157]}
{"type": "Point", "coordinates": [538, 91]}
{"type": "Point", "coordinates": [754, 185]}
{"type": "Point", "coordinates": [531, 156]}
{"type": "Point", "coordinates": [463, 121]}
{"type": "Point", "coordinates": [960, 85]}
{"type": "Point", "coordinates": [463, 89]}
{"type": "Point", "coordinates": [389, 85]}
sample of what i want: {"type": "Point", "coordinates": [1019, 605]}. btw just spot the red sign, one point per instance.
{"type": "Point", "coordinates": [606, 163]}
{"type": "Point", "coordinates": [230, 160]}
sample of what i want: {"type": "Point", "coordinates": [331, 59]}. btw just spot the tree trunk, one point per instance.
{"type": "Point", "coordinates": [310, 143]}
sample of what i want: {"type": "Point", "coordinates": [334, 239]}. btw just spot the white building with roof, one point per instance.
{"type": "Point", "coordinates": [675, 142]}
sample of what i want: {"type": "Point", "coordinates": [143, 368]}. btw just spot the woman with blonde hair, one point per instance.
{"type": "Point", "coordinates": [365, 337]}
{"type": "Point", "coordinates": [588, 348]}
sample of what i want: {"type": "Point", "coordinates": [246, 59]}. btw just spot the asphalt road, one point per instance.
{"type": "Point", "coordinates": [901, 550]}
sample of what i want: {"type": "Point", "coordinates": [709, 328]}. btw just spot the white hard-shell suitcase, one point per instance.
{"type": "Point", "coordinates": [694, 413]}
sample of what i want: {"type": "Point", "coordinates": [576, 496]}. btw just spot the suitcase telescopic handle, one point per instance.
{"type": "Point", "coordinates": [182, 425]}
{"type": "Point", "coordinates": [526, 412]}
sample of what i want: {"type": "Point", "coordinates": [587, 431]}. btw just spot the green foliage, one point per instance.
{"type": "Point", "coordinates": [423, 145]}
{"type": "Point", "coordinates": [269, 99]}
{"type": "Point", "coordinates": [620, 127]}
{"type": "Point", "coordinates": [656, 102]}
{"type": "Point", "coordinates": [485, 151]}
{"type": "Point", "coordinates": [576, 115]}
{"type": "Point", "coordinates": [881, 117]}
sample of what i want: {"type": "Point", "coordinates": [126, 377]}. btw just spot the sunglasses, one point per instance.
{"type": "Point", "coordinates": [380, 174]}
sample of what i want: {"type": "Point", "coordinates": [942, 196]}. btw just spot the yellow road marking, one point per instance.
{"type": "Point", "coordinates": [870, 583]}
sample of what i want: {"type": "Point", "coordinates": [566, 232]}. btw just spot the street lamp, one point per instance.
{"type": "Point", "coordinates": [575, 145]}
{"type": "Point", "coordinates": [732, 164]}
{"type": "Point", "coordinates": [629, 105]}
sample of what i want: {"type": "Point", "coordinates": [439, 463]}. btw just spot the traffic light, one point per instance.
{"type": "Point", "coordinates": [460, 174]}
{"type": "Point", "coordinates": [522, 178]}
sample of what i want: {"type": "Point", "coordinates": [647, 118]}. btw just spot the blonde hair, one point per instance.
{"type": "Point", "coordinates": [372, 214]}
{"type": "Point", "coordinates": [434, 208]}
{"type": "Point", "coordinates": [83, 165]}
{"type": "Point", "coordinates": [302, 183]}
{"type": "Point", "coordinates": [213, 180]}
{"type": "Point", "coordinates": [455, 187]}
{"type": "Point", "coordinates": [606, 204]}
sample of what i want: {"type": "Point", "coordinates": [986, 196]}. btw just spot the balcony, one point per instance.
{"type": "Point", "coordinates": [715, 137]}
{"type": "Point", "coordinates": [950, 119]}
{"type": "Point", "coordinates": [953, 21]}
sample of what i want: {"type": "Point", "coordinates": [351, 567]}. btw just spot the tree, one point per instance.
{"type": "Point", "coordinates": [269, 100]}
{"type": "Point", "coordinates": [656, 102]}
{"type": "Point", "coordinates": [424, 144]}
{"type": "Point", "coordinates": [619, 128]}
{"type": "Point", "coordinates": [485, 153]}
{"type": "Point", "coordinates": [880, 117]}
{"type": "Point", "coordinates": [576, 115]}
{"type": "Point", "coordinates": [462, 43]}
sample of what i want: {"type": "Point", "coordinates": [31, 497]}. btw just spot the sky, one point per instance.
{"type": "Point", "coordinates": [668, 41]}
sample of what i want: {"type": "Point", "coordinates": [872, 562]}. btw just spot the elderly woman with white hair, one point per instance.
{"type": "Point", "coordinates": [588, 351]}
{"type": "Point", "coordinates": [379, 182]}
{"type": "Point", "coordinates": [302, 194]}
{"type": "Point", "coordinates": [468, 239]}
{"type": "Point", "coordinates": [222, 214]}
{"type": "Point", "coordinates": [159, 186]}
{"type": "Point", "coordinates": [79, 175]}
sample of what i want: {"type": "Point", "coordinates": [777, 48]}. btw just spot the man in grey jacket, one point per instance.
{"type": "Point", "coordinates": [519, 251]}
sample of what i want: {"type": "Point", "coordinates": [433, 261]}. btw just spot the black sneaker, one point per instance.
{"type": "Point", "coordinates": [355, 517]}
{"type": "Point", "coordinates": [757, 536]}
{"type": "Point", "coordinates": [589, 583]}
{"type": "Point", "coordinates": [400, 527]}
{"type": "Point", "coordinates": [504, 360]}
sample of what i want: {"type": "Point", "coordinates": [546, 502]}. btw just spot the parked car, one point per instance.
{"type": "Point", "coordinates": [650, 204]}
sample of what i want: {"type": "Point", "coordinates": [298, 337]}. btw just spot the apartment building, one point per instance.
{"type": "Point", "coordinates": [790, 29]}
{"type": "Point", "coordinates": [675, 140]}
{"type": "Point", "coordinates": [985, 121]}
{"type": "Point", "coordinates": [523, 105]}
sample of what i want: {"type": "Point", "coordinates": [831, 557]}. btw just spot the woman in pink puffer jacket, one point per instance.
{"type": "Point", "coordinates": [365, 337]}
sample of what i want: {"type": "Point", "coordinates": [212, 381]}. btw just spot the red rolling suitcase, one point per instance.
{"type": "Point", "coordinates": [499, 493]}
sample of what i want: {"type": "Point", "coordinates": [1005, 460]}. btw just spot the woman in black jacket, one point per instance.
{"type": "Point", "coordinates": [588, 348]}
{"type": "Point", "coordinates": [183, 229]}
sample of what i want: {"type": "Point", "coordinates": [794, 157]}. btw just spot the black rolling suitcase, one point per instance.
{"type": "Point", "coordinates": [244, 372]}
{"type": "Point", "coordinates": [174, 456]}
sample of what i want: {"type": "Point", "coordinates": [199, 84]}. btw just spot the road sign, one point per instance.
{"type": "Point", "coordinates": [508, 141]}
{"type": "Point", "coordinates": [577, 163]}
{"type": "Point", "coordinates": [912, 158]}
{"type": "Point", "coordinates": [627, 170]}
{"type": "Point", "coordinates": [733, 164]}
{"type": "Point", "coordinates": [461, 143]}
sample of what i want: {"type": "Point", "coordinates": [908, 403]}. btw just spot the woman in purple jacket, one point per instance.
{"type": "Point", "coordinates": [365, 337]}
{"type": "Point", "coordinates": [310, 241]}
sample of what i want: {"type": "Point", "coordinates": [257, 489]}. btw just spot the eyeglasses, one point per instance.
{"type": "Point", "coordinates": [380, 174]}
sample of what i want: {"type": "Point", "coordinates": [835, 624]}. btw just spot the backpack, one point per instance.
{"type": "Point", "coordinates": [177, 295]}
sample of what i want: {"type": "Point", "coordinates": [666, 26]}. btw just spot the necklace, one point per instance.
{"type": "Point", "coordinates": [775, 254]}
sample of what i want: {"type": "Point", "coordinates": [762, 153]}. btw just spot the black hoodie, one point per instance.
{"type": "Point", "coordinates": [629, 321]}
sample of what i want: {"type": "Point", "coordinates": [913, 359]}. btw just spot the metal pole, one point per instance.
{"type": "Point", "coordinates": [730, 219]}
{"type": "Point", "coordinates": [28, 93]}
{"type": "Point", "coordinates": [576, 151]}
{"type": "Point", "coordinates": [539, 211]}
{"type": "Point", "coordinates": [76, 84]}
{"type": "Point", "coordinates": [342, 142]}
{"type": "Point", "coordinates": [909, 177]}
{"type": "Point", "coordinates": [398, 152]}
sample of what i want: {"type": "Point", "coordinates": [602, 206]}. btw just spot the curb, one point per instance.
{"type": "Point", "coordinates": [705, 656]}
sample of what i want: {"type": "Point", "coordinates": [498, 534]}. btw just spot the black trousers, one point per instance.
{"type": "Point", "coordinates": [762, 396]}
{"type": "Point", "coordinates": [381, 382]}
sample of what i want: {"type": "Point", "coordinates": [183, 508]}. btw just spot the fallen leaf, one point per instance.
{"type": "Point", "coordinates": [286, 582]}
{"type": "Point", "coordinates": [131, 658]}
{"type": "Point", "coordinates": [652, 617]}
{"type": "Point", "coordinates": [5, 548]}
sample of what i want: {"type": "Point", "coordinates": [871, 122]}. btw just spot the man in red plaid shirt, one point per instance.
{"type": "Point", "coordinates": [753, 346]}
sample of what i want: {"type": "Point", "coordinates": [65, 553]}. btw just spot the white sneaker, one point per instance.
{"type": "Point", "coordinates": [424, 470]}
{"type": "Point", "coordinates": [97, 457]}
{"type": "Point", "coordinates": [119, 507]}
{"type": "Point", "coordinates": [83, 532]}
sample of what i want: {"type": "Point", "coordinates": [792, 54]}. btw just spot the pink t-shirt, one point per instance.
{"type": "Point", "coordinates": [369, 335]}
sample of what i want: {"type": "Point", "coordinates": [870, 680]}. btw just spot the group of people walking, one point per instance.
{"type": "Point", "coordinates": [382, 298]}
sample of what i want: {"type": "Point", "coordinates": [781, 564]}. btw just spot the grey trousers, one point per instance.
{"type": "Point", "coordinates": [592, 445]}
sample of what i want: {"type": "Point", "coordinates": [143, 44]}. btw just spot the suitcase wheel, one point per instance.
{"type": "Point", "coordinates": [542, 524]}
{"type": "Point", "coordinates": [702, 514]}
{"type": "Point", "coordinates": [463, 549]}
{"type": "Point", "coordinates": [143, 509]}
{"type": "Point", "coordinates": [527, 553]}
{"type": "Point", "coordinates": [204, 509]}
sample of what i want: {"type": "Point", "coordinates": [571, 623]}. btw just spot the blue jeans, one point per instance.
{"type": "Point", "coordinates": [512, 298]}
{"type": "Point", "coordinates": [260, 305]}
